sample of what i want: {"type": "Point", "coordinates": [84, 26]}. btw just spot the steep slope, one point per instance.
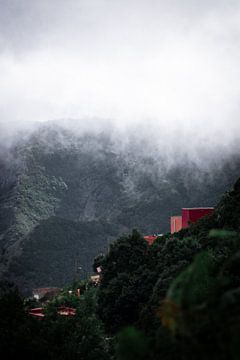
{"type": "Point", "coordinates": [63, 198]}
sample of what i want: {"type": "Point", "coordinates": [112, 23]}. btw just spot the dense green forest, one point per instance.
{"type": "Point", "coordinates": [64, 197]}
{"type": "Point", "coordinates": [178, 299]}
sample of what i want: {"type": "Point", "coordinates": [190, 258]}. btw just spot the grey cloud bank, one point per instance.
{"type": "Point", "coordinates": [166, 70]}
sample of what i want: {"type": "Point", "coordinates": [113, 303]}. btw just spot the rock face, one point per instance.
{"type": "Point", "coordinates": [63, 198]}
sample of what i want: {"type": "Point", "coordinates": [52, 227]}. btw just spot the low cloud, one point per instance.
{"type": "Point", "coordinates": [162, 73]}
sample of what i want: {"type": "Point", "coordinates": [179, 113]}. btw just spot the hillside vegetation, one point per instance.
{"type": "Point", "coordinates": [181, 294]}
{"type": "Point", "coordinates": [64, 198]}
{"type": "Point", "coordinates": [178, 299]}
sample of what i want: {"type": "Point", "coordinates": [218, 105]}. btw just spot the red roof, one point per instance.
{"type": "Point", "coordinates": [36, 312]}
{"type": "Point", "coordinates": [61, 310]}
{"type": "Point", "coordinates": [150, 238]}
{"type": "Point", "coordinates": [66, 311]}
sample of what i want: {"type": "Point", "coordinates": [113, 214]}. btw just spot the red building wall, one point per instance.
{"type": "Point", "coordinates": [191, 215]}
{"type": "Point", "coordinates": [176, 224]}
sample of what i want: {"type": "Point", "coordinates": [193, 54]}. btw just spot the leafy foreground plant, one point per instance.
{"type": "Point", "coordinates": [200, 316]}
{"type": "Point", "coordinates": [132, 344]}
{"type": "Point", "coordinates": [203, 304]}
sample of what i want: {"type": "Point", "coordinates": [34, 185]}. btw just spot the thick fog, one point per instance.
{"type": "Point", "coordinates": [165, 72]}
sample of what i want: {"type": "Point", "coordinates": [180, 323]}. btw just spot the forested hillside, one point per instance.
{"type": "Point", "coordinates": [181, 294]}
{"type": "Point", "coordinates": [177, 299]}
{"type": "Point", "coordinates": [65, 197]}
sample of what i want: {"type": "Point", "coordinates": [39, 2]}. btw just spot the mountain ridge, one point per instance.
{"type": "Point", "coordinates": [56, 178]}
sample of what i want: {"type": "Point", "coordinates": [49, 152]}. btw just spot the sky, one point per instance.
{"type": "Point", "coordinates": [164, 68]}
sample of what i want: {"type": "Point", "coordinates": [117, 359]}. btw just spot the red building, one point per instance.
{"type": "Point", "coordinates": [176, 224]}
{"type": "Point", "coordinates": [150, 238]}
{"type": "Point", "coordinates": [191, 215]}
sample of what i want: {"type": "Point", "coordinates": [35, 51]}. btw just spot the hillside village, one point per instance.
{"type": "Point", "coordinates": [177, 222]}
{"type": "Point", "coordinates": [44, 295]}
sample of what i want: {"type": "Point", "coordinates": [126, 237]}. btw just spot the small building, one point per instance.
{"type": "Point", "coordinates": [66, 311]}
{"type": "Point", "coordinates": [191, 215]}
{"type": "Point", "coordinates": [44, 294]}
{"type": "Point", "coordinates": [150, 238]}
{"type": "Point", "coordinates": [176, 224]}
{"type": "Point", "coordinates": [95, 279]}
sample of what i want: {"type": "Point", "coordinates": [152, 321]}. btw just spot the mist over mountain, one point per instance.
{"type": "Point", "coordinates": [66, 194]}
